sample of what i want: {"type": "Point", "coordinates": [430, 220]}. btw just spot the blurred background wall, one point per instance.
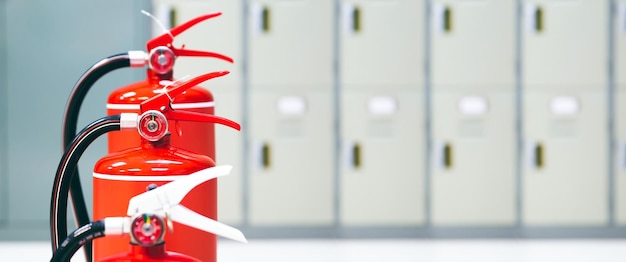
{"type": "Point", "coordinates": [360, 118]}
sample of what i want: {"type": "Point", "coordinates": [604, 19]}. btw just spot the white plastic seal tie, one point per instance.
{"type": "Point", "coordinates": [171, 84]}
{"type": "Point", "coordinates": [158, 23]}
{"type": "Point", "coordinates": [138, 58]}
{"type": "Point", "coordinates": [128, 121]}
{"type": "Point", "coordinates": [116, 226]}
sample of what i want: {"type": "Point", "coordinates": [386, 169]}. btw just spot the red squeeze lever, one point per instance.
{"type": "Point", "coordinates": [159, 101]}
{"type": "Point", "coordinates": [166, 40]}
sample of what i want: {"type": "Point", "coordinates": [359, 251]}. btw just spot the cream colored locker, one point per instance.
{"type": "Point", "coordinates": [291, 112]}
{"type": "Point", "coordinates": [473, 113]}
{"type": "Point", "coordinates": [564, 76]}
{"type": "Point", "coordinates": [222, 34]}
{"type": "Point", "coordinates": [291, 42]}
{"type": "Point", "coordinates": [473, 170]}
{"type": "Point", "coordinates": [291, 152]}
{"type": "Point", "coordinates": [382, 169]}
{"type": "Point", "coordinates": [620, 111]}
{"type": "Point", "coordinates": [382, 112]}
{"type": "Point", "coordinates": [473, 44]}
{"type": "Point", "coordinates": [564, 44]}
{"type": "Point", "coordinates": [565, 170]}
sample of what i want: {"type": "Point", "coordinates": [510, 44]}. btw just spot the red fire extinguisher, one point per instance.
{"type": "Point", "coordinates": [156, 160]}
{"type": "Point", "coordinates": [196, 137]}
{"type": "Point", "coordinates": [161, 57]}
{"type": "Point", "coordinates": [148, 217]}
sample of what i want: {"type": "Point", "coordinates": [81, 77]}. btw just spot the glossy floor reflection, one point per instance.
{"type": "Point", "coordinates": [321, 250]}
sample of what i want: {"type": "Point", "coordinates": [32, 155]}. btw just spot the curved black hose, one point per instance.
{"type": "Point", "coordinates": [70, 120]}
{"type": "Point", "coordinates": [64, 174]}
{"type": "Point", "coordinates": [78, 238]}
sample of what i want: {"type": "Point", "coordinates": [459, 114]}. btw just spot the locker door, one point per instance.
{"type": "Point", "coordinates": [3, 117]}
{"type": "Point", "coordinates": [45, 63]}
{"type": "Point", "coordinates": [222, 34]}
{"type": "Point", "coordinates": [620, 157]}
{"type": "Point", "coordinates": [382, 174]}
{"type": "Point", "coordinates": [473, 177]}
{"type": "Point", "coordinates": [290, 41]}
{"type": "Point", "coordinates": [565, 43]}
{"type": "Point", "coordinates": [382, 112]}
{"type": "Point", "coordinates": [382, 43]}
{"type": "Point", "coordinates": [291, 178]}
{"type": "Point", "coordinates": [620, 111]}
{"type": "Point", "coordinates": [473, 43]}
{"type": "Point", "coordinates": [474, 139]}
{"type": "Point", "coordinates": [565, 177]}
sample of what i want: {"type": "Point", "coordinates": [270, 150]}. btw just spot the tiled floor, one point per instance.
{"type": "Point", "coordinates": [384, 250]}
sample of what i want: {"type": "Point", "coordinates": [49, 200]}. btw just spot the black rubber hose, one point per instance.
{"type": "Point", "coordinates": [77, 239]}
{"type": "Point", "coordinates": [64, 174]}
{"type": "Point", "coordinates": [70, 121]}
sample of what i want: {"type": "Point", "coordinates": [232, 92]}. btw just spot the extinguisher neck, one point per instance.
{"type": "Point", "coordinates": [155, 78]}
{"type": "Point", "coordinates": [157, 251]}
{"type": "Point", "coordinates": [164, 142]}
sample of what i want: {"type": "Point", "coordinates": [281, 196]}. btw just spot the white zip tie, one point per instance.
{"type": "Point", "coordinates": [158, 23]}
{"type": "Point", "coordinates": [172, 83]}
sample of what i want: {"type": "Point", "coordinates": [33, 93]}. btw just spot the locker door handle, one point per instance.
{"type": "Point", "coordinates": [534, 18]}
{"type": "Point", "coordinates": [265, 156]}
{"type": "Point", "coordinates": [165, 17]}
{"type": "Point", "coordinates": [351, 16]}
{"type": "Point", "coordinates": [353, 155]}
{"type": "Point", "coordinates": [444, 155]}
{"type": "Point", "coordinates": [356, 155]}
{"type": "Point", "coordinates": [443, 18]}
{"type": "Point", "coordinates": [260, 18]}
{"type": "Point", "coordinates": [262, 157]}
{"type": "Point", "coordinates": [173, 21]}
{"type": "Point", "coordinates": [536, 155]}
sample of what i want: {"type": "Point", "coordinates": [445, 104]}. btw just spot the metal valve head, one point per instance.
{"type": "Point", "coordinates": [165, 201]}
{"type": "Point", "coordinates": [163, 54]}
{"type": "Point", "coordinates": [163, 103]}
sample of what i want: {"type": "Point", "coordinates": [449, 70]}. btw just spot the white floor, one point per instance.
{"type": "Point", "coordinates": [383, 250]}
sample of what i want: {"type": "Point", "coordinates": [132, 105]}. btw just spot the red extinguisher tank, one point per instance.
{"type": "Point", "coordinates": [190, 147]}
{"type": "Point", "coordinates": [153, 254]}
{"type": "Point", "coordinates": [122, 175]}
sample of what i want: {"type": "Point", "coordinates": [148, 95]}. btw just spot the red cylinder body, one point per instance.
{"type": "Point", "coordinates": [149, 254]}
{"type": "Point", "coordinates": [196, 137]}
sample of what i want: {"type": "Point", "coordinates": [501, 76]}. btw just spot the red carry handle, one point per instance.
{"type": "Point", "coordinates": [163, 103]}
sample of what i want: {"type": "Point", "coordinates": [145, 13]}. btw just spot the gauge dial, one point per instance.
{"type": "Point", "coordinates": [152, 125]}
{"type": "Point", "coordinates": [148, 229]}
{"type": "Point", "coordinates": [162, 60]}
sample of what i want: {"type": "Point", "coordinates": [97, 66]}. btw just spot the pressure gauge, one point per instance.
{"type": "Point", "coordinates": [147, 230]}
{"type": "Point", "coordinates": [152, 125]}
{"type": "Point", "coordinates": [161, 60]}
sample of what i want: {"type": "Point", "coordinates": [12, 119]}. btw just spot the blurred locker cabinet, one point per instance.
{"type": "Point", "coordinates": [291, 112]}
{"type": "Point", "coordinates": [3, 118]}
{"type": "Point", "coordinates": [474, 112]}
{"type": "Point", "coordinates": [222, 34]}
{"type": "Point", "coordinates": [382, 112]}
{"type": "Point", "coordinates": [565, 119]}
{"type": "Point", "coordinates": [619, 58]}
